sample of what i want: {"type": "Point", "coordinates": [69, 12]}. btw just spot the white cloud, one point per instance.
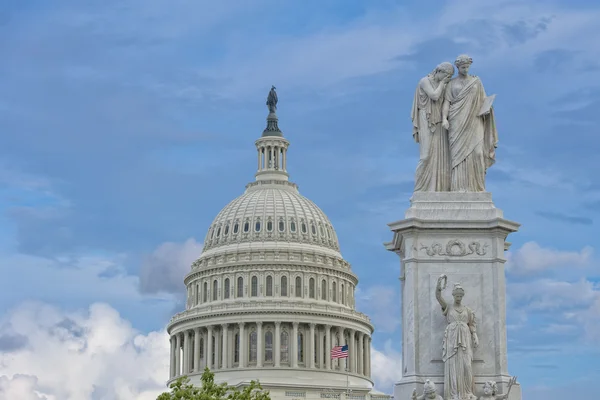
{"type": "Point", "coordinates": [386, 366]}
{"type": "Point", "coordinates": [532, 258]}
{"type": "Point", "coordinates": [81, 355]}
{"type": "Point", "coordinates": [164, 269]}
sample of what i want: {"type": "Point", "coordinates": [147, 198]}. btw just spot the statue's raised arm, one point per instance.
{"type": "Point", "coordinates": [438, 291]}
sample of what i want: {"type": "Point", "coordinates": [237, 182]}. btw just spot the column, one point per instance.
{"type": "Point", "coordinates": [205, 359]}
{"type": "Point", "coordinates": [172, 357]}
{"type": "Point", "coordinates": [260, 355]}
{"type": "Point", "coordinates": [368, 360]}
{"type": "Point", "coordinates": [208, 354]}
{"type": "Point", "coordinates": [242, 362]}
{"type": "Point", "coordinates": [320, 348]}
{"type": "Point", "coordinates": [340, 332]}
{"type": "Point", "coordinates": [277, 343]}
{"type": "Point", "coordinates": [284, 160]}
{"type": "Point", "coordinates": [186, 358]}
{"type": "Point", "coordinates": [259, 151]}
{"type": "Point", "coordinates": [312, 350]}
{"type": "Point", "coordinates": [361, 357]}
{"type": "Point", "coordinates": [328, 349]}
{"type": "Point", "coordinates": [351, 353]}
{"type": "Point", "coordinates": [178, 355]}
{"type": "Point", "coordinates": [225, 353]}
{"type": "Point", "coordinates": [294, 345]}
{"type": "Point", "coordinates": [197, 350]}
{"type": "Point", "coordinates": [217, 348]}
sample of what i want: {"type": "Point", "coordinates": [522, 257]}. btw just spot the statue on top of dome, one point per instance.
{"type": "Point", "coordinates": [272, 100]}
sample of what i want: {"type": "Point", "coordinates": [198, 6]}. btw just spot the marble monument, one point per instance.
{"type": "Point", "coordinates": [452, 233]}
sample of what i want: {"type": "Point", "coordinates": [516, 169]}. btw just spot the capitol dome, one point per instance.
{"type": "Point", "coordinates": [270, 295]}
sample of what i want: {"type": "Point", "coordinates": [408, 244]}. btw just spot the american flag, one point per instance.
{"type": "Point", "coordinates": [339, 352]}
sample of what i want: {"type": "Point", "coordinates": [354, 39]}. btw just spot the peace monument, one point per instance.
{"type": "Point", "coordinates": [453, 234]}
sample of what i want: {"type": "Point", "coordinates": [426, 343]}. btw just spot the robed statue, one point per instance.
{"type": "Point", "coordinates": [272, 100]}
{"type": "Point", "coordinates": [453, 122]}
{"type": "Point", "coordinates": [460, 340]}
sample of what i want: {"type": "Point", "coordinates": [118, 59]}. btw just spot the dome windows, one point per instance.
{"type": "Point", "coordinates": [269, 226]}
{"type": "Point", "coordinates": [303, 225]}
{"type": "Point", "coordinates": [246, 226]}
{"type": "Point", "coordinates": [284, 288]}
{"type": "Point", "coordinates": [236, 227]}
{"type": "Point", "coordinates": [226, 232]}
{"type": "Point", "coordinates": [257, 226]}
{"type": "Point", "coordinates": [321, 230]}
{"type": "Point", "coordinates": [313, 228]}
{"type": "Point", "coordinates": [254, 287]}
{"type": "Point", "coordinates": [218, 231]}
{"type": "Point", "coordinates": [281, 225]}
{"type": "Point", "coordinates": [269, 285]}
{"type": "Point", "coordinates": [293, 226]}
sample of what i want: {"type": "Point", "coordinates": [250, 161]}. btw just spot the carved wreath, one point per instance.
{"type": "Point", "coordinates": [455, 248]}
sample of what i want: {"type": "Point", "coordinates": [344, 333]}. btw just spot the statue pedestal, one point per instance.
{"type": "Point", "coordinates": [461, 235]}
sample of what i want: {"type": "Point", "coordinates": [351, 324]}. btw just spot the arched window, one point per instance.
{"type": "Point", "coordinates": [269, 285]}
{"type": "Point", "coordinates": [240, 287]}
{"type": "Point", "coordinates": [324, 290]}
{"type": "Point", "coordinates": [343, 294]}
{"type": "Point", "coordinates": [253, 347]}
{"type": "Point", "coordinates": [281, 226]}
{"type": "Point", "coordinates": [298, 287]}
{"type": "Point", "coordinates": [300, 347]}
{"type": "Point", "coordinates": [205, 293]}
{"type": "Point", "coordinates": [285, 352]}
{"type": "Point", "coordinates": [321, 230]}
{"type": "Point", "coordinates": [201, 347]}
{"type": "Point", "coordinates": [226, 291]}
{"type": "Point", "coordinates": [313, 228]}
{"type": "Point", "coordinates": [293, 226]}
{"type": "Point", "coordinates": [236, 228]}
{"type": "Point", "coordinates": [212, 233]}
{"type": "Point", "coordinates": [269, 346]}
{"type": "Point", "coordinates": [304, 230]}
{"type": "Point", "coordinates": [215, 290]}
{"type": "Point", "coordinates": [197, 293]}
{"type": "Point", "coordinates": [226, 229]}
{"type": "Point", "coordinates": [270, 226]}
{"type": "Point", "coordinates": [254, 291]}
{"type": "Point", "coordinates": [213, 351]}
{"type": "Point", "coordinates": [328, 232]}
{"type": "Point", "coordinates": [334, 292]}
{"type": "Point", "coordinates": [246, 226]}
{"type": "Point", "coordinates": [236, 348]}
{"type": "Point", "coordinates": [311, 288]}
{"type": "Point", "coordinates": [257, 226]}
{"type": "Point", "coordinates": [218, 231]}
{"type": "Point", "coordinates": [284, 286]}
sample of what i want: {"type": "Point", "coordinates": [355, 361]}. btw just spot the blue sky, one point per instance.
{"type": "Point", "coordinates": [127, 125]}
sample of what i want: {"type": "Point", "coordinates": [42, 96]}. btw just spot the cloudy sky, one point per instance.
{"type": "Point", "coordinates": [126, 125]}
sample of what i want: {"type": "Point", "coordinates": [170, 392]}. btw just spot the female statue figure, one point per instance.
{"type": "Point", "coordinates": [460, 337]}
{"type": "Point", "coordinates": [468, 115]}
{"type": "Point", "coordinates": [433, 170]}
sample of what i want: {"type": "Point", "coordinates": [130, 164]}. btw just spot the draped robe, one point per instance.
{"type": "Point", "coordinates": [472, 138]}
{"type": "Point", "coordinates": [433, 170]}
{"type": "Point", "coordinates": [457, 353]}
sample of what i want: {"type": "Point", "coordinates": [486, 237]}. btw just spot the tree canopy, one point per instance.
{"type": "Point", "coordinates": [182, 389]}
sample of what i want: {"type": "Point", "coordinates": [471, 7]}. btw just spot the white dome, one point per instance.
{"type": "Point", "coordinates": [272, 211]}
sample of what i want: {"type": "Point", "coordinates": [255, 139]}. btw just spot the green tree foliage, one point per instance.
{"type": "Point", "coordinates": [181, 389]}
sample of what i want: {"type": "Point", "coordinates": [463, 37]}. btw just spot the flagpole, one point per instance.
{"type": "Point", "coordinates": [347, 379]}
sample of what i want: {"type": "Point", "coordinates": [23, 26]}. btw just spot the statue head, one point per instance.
{"type": "Point", "coordinates": [429, 390]}
{"type": "Point", "coordinates": [458, 292]}
{"type": "Point", "coordinates": [490, 388]}
{"type": "Point", "coordinates": [463, 62]}
{"type": "Point", "coordinates": [442, 71]}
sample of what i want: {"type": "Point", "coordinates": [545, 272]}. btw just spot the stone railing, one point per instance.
{"type": "Point", "coordinates": [269, 307]}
